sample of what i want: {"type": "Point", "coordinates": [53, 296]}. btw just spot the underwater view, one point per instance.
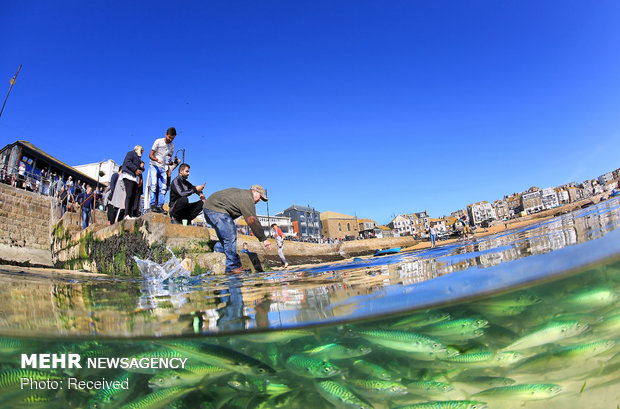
{"type": "Point", "coordinates": [527, 318]}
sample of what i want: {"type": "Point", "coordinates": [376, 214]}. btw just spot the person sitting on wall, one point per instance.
{"type": "Point", "coordinates": [180, 190]}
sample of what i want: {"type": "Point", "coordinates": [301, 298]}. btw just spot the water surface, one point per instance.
{"type": "Point", "coordinates": [83, 306]}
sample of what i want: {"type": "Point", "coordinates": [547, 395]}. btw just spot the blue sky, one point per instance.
{"type": "Point", "coordinates": [358, 107]}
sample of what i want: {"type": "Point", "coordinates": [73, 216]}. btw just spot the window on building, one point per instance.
{"type": "Point", "coordinates": [339, 227]}
{"type": "Point", "coordinates": [348, 226]}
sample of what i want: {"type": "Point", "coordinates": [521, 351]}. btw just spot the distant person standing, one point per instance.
{"type": "Point", "coordinates": [69, 185]}
{"type": "Point", "coordinates": [130, 172]}
{"type": "Point", "coordinates": [111, 210]}
{"type": "Point", "coordinates": [180, 191]}
{"type": "Point", "coordinates": [21, 175]}
{"type": "Point", "coordinates": [433, 234]}
{"type": "Point", "coordinates": [277, 232]}
{"type": "Point", "coordinates": [62, 200]}
{"type": "Point", "coordinates": [466, 228]}
{"type": "Point", "coordinates": [86, 199]}
{"type": "Point", "coordinates": [222, 208]}
{"type": "Point", "coordinates": [161, 153]}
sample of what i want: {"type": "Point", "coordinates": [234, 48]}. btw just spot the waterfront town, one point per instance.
{"type": "Point", "coordinates": [25, 166]}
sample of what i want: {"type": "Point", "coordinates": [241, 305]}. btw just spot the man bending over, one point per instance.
{"type": "Point", "coordinates": [222, 208]}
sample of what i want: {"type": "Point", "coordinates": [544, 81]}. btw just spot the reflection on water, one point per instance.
{"type": "Point", "coordinates": [79, 306]}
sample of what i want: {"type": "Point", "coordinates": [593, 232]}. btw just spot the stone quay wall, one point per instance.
{"type": "Point", "coordinates": [24, 218]}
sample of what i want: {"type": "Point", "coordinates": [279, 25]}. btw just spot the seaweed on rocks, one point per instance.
{"type": "Point", "coordinates": [115, 254]}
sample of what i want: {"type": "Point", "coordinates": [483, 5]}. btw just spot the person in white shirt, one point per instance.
{"type": "Point", "coordinates": [433, 234]}
{"type": "Point", "coordinates": [160, 156]}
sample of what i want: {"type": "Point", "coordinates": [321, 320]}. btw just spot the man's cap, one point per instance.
{"type": "Point", "coordinates": [261, 190]}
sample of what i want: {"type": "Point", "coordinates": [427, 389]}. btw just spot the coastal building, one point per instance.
{"type": "Point", "coordinates": [381, 232]}
{"type": "Point", "coordinates": [532, 201]}
{"type": "Point", "coordinates": [501, 209]}
{"type": "Point", "coordinates": [283, 222]}
{"type": "Point", "coordinates": [549, 198]}
{"type": "Point", "coordinates": [597, 188]}
{"type": "Point", "coordinates": [305, 220]}
{"type": "Point", "coordinates": [605, 178]}
{"type": "Point", "coordinates": [588, 187]}
{"type": "Point", "coordinates": [101, 171]}
{"type": "Point", "coordinates": [611, 186]}
{"type": "Point", "coordinates": [481, 212]}
{"type": "Point", "coordinates": [440, 225]}
{"type": "Point", "coordinates": [514, 203]}
{"type": "Point", "coordinates": [419, 222]}
{"type": "Point", "coordinates": [574, 193]}
{"type": "Point", "coordinates": [40, 166]}
{"type": "Point", "coordinates": [449, 222]}
{"type": "Point", "coordinates": [367, 228]}
{"type": "Point", "coordinates": [339, 226]}
{"type": "Point", "coordinates": [459, 213]}
{"type": "Point", "coordinates": [401, 225]}
{"type": "Point", "coordinates": [563, 196]}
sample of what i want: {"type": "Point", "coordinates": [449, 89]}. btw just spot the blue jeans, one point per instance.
{"type": "Point", "coordinates": [227, 234]}
{"type": "Point", "coordinates": [157, 176]}
{"type": "Point", "coordinates": [433, 238]}
{"type": "Point", "coordinates": [85, 217]}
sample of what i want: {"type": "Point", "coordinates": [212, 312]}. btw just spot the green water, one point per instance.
{"type": "Point", "coordinates": [564, 334]}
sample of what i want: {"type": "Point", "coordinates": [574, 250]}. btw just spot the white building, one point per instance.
{"type": "Point", "coordinates": [401, 225]}
{"type": "Point", "coordinates": [419, 222]}
{"type": "Point", "coordinates": [439, 224]}
{"type": "Point", "coordinates": [532, 202]}
{"type": "Point", "coordinates": [102, 170]}
{"type": "Point", "coordinates": [605, 178]}
{"type": "Point", "coordinates": [283, 222]}
{"type": "Point", "coordinates": [588, 187]}
{"type": "Point", "coordinates": [549, 198]}
{"type": "Point", "coordinates": [501, 209]}
{"type": "Point", "coordinates": [611, 186]}
{"type": "Point", "coordinates": [563, 196]}
{"type": "Point", "coordinates": [481, 212]}
{"type": "Point", "coordinates": [598, 189]}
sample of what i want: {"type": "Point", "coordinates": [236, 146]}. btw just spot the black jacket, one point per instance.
{"type": "Point", "coordinates": [131, 163]}
{"type": "Point", "coordinates": [180, 188]}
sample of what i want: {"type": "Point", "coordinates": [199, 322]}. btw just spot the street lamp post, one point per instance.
{"type": "Point", "coordinates": [12, 82]}
{"type": "Point", "coordinates": [97, 189]}
{"type": "Point", "coordinates": [268, 224]}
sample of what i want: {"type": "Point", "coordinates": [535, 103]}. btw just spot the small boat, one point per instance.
{"type": "Point", "coordinates": [387, 251]}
